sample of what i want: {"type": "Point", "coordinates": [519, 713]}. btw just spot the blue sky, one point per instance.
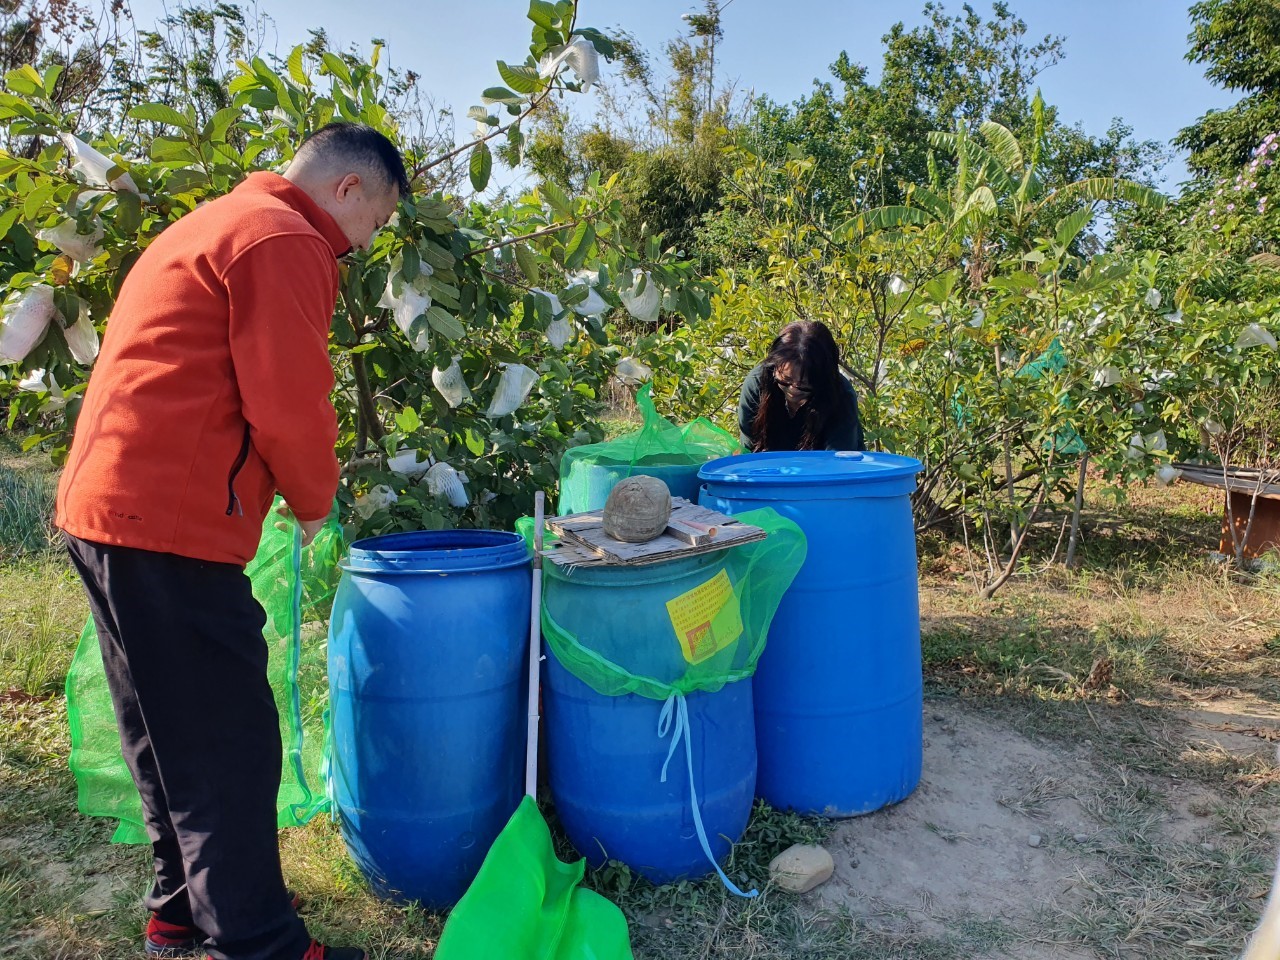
{"type": "Point", "coordinates": [1124, 57]}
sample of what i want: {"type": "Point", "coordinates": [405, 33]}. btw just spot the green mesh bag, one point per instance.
{"type": "Point", "coordinates": [295, 588]}
{"type": "Point", "coordinates": [659, 448]}
{"type": "Point", "coordinates": [675, 627]}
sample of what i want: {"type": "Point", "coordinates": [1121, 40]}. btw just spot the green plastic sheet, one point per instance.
{"type": "Point", "coordinates": [526, 903]}
{"type": "Point", "coordinates": [1053, 360]}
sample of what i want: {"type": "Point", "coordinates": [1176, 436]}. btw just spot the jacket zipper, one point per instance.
{"type": "Point", "coordinates": [233, 502]}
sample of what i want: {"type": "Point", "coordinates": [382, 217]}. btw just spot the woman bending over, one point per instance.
{"type": "Point", "coordinates": [797, 399]}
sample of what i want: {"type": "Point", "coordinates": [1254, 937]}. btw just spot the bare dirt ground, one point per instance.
{"type": "Point", "coordinates": [994, 834]}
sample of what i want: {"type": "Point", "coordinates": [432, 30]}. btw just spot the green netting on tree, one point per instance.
{"type": "Point", "coordinates": [674, 627]}
{"type": "Point", "coordinates": [295, 588]}
{"type": "Point", "coordinates": [659, 448]}
{"type": "Point", "coordinates": [1053, 360]}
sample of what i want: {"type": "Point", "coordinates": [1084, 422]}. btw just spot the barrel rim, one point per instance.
{"type": "Point", "coordinates": [879, 467]}
{"type": "Point", "coordinates": [647, 462]}
{"type": "Point", "coordinates": [437, 551]}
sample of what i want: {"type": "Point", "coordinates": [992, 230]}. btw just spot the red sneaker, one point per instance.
{"type": "Point", "coordinates": [171, 940]}
{"type": "Point", "coordinates": [318, 951]}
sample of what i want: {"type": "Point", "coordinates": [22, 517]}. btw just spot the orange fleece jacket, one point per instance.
{"type": "Point", "coordinates": [212, 388]}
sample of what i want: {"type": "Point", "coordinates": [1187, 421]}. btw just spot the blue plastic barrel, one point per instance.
{"type": "Point", "coordinates": [588, 480]}
{"type": "Point", "coordinates": [839, 694]}
{"type": "Point", "coordinates": [605, 754]}
{"type": "Point", "coordinates": [427, 648]}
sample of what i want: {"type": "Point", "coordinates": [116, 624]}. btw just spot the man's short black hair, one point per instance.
{"type": "Point", "coordinates": [360, 144]}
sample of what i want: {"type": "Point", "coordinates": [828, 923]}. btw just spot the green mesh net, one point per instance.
{"type": "Point", "coordinates": [295, 588]}
{"type": "Point", "coordinates": [674, 627]}
{"type": "Point", "coordinates": [1052, 362]}
{"type": "Point", "coordinates": [659, 448]}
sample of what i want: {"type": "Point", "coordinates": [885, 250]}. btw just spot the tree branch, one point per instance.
{"type": "Point", "coordinates": [364, 398]}
{"type": "Point", "coordinates": [545, 231]}
{"type": "Point", "coordinates": [990, 589]}
{"type": "Point", "coordinates": [1075, 513]}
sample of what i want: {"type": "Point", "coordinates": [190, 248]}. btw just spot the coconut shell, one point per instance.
{"type": "Point", "coordinates": [638, 510]}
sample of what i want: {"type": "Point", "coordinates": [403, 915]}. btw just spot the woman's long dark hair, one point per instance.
{"type": "Point", "coordinates": [808, 347]}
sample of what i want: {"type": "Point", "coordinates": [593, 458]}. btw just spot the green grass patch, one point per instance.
{"type": "Point", "coordinates": [769, 832]}
{"type": "Point", "coordinates": [26, 512]}
{"type": "Point", "coordinates": [42, 611]}
{"type": "Point", "coordinates": [1019, 654]}
{"type": "Point", "coordinates": [615, 427]}
{"type": "Point", "coordinates": [64, 890]}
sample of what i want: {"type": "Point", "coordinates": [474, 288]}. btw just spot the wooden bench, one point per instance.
{"type": "Point", "coordinates": [1241, 484]}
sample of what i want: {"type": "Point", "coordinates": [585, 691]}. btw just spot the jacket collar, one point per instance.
{"type": "Point", "coordinates": [275, 185]}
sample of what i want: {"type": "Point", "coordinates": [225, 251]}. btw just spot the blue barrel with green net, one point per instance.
{"type": "Point", "coordinates": [588, 474]}
{"type": "Point", "coordinates": [607, 751]}
{"type": "Point", "coordinates": [427, 648]}
{"type": "Point", "coordinates": [659, 449]}
{"type": "Point", "coordinates": [838, 690]}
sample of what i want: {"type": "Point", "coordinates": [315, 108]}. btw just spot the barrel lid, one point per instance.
{"type": "Point", "coordinates": [810, 467]}
{"type": "Point", "coordinates": [438, 551]}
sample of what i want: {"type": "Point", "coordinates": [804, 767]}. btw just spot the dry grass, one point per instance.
{"type": "Point", "coordinates": [1162, 896]}
{"type": "Point", "coordinates": [1031, 801]}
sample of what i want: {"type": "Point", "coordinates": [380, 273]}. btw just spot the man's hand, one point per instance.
{"type": "Point", "coordinates": [309, 528]}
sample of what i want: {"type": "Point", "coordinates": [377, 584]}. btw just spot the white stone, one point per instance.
{"type": "Point", "coordinates": [801, 868]}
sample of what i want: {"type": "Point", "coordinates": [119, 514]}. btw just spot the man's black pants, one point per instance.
{"type": "Point", "coordinates": [187, 667]}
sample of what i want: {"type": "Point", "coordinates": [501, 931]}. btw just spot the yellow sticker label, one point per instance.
{"type": "Point", "coordinates": [706, 619]}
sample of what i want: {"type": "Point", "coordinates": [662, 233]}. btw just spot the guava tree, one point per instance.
{"type": "Point", "coordinates": [471, 343]}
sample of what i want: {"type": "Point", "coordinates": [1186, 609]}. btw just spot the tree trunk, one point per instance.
{"type": "Point", "coordinates": [1008, 470]}
{"type": "Point", "coordinates": [1075, 514]}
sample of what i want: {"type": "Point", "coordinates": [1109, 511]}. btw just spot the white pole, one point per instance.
{"type": "Point", "coordinates": [535, 652]}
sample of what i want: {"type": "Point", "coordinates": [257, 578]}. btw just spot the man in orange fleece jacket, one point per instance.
{"type": "Point", "coordinates": [212, 393]}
